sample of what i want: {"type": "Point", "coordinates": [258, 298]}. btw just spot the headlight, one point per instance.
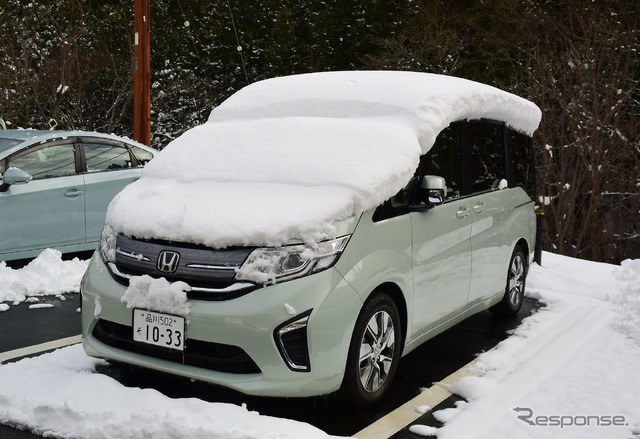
{"type": "Point", "coordinates": [108, 244]}
{"type": "Point", "coordinates": [273, 265]}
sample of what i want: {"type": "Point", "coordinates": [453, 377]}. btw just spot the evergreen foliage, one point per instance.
{"type": "Point", "coordinates": [71, 61]}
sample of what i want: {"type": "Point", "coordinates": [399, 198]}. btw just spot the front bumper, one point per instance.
{"type": "Point", "coordinates": [250, 324]}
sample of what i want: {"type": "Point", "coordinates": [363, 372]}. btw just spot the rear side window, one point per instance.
{"type": "Point", "coordinates": [522, 168]}
{"type": "Point", "coordinates": [486, 141]}
{"type": "Point", "coordinates": [142, 156]}
{"type": "Point", "coordinates": [106, 157]}
{"type": "Point", "coordinates": [47, 162]}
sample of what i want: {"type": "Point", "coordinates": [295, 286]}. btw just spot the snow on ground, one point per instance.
{"type": "Point", "coordinates": [59, 394]}
{"type": "Point", "coordinates": [47, 275]}
{"type": "Point", "coordinates": [568, 371]}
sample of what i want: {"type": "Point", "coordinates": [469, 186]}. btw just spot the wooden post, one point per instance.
{"type": "Point", "coordinates": [541, 237]}
{"type": "Point", "coordinates": [142, 72]}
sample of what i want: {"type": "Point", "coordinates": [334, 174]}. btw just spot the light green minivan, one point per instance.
{"type": "Point", "coordinates": [317, 228]}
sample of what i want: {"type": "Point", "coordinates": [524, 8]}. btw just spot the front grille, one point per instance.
{"type": "Point", "coordinates": [213, 356]}
{"type": "Point", "coordinates": [210, 273]}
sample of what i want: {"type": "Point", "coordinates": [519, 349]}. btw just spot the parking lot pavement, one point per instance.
{"type": "Point", "coordinates": [24, 325]}
{"type": "Point", "coordinates": [427, 419]}
{"type": "Point", "coordinates": [7, 432]}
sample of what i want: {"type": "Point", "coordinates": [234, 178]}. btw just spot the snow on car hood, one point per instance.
{"type": "Point", "coordinates": [286, 158]}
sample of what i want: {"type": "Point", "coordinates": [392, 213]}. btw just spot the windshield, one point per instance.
{"type": "Point", "coordinates": [6, 144]}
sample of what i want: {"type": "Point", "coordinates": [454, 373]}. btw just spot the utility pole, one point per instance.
{"type": "Point", "coordinates": [142, 72]}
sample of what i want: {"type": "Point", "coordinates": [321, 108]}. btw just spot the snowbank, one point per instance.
{"type": "Point", "coordinates": [286, 157]}
{"type": "Point", "coordinates": [58, 394]}
{"type": "Point", "coordinates": [46, 275]}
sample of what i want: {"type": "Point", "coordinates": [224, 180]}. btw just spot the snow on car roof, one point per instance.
{"type": "Point", "coordinates": [286, 157]}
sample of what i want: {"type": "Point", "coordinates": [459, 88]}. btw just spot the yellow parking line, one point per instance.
{"type": "Point", "coordinates": [404, 415]}
{"type": "Point", "coordinates": [30, 350]}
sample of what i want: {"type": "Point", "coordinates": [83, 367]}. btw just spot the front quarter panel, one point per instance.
{"type": "Point", "coordinates": [379, 253]}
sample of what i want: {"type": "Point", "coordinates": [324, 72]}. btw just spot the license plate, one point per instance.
{"type": "Point", "coordinates": [158, 329]}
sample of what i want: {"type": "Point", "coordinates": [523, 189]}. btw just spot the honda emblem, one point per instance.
{"type": "Point", "coordinates": [168, 261]}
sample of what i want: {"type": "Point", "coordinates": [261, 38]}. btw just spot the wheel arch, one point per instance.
{"type": "Point", "coordinates": [524, 245]}
{"type": "Point", "coordinates": [395, 292]}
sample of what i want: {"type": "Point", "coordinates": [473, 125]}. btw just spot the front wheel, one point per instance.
{"type": "Point", "coordinates": [374, 352]}
{"type": "Point", "coordinates": [514, 291]}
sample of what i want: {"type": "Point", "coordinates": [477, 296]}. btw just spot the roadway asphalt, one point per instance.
{"type": "Point", "coordinates": [439, 357]}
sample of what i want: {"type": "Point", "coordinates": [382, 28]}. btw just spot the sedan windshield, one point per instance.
{"type": "Point", "coordinates": [5, 143]}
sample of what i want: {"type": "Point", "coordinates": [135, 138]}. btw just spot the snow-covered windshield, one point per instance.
{"type": "Point", "coordinates": [286, 157]}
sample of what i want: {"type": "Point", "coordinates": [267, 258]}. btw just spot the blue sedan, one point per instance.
{"type": "Point", "coordinates": [55, 187]}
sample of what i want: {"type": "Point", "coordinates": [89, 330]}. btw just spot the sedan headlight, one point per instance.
{"type": "Point", "coordinates": [273, 265]}
{"type": "Point", "coordinates": [108, 244]}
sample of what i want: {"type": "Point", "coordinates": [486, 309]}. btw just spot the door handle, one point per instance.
{"type": "Point", "coordinates": [478, 207]}
{"type": "Point", "coordinates": [463, 212]}
{"type": "Point", "coordinates": [72, 193]}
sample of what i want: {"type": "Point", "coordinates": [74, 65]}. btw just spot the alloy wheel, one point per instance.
{"type": "Point", "coordinates": [516, 280]}
{"type": "Point", "coordinates": [377, 351]}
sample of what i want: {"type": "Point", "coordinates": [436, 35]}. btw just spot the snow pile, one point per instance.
{"type": "Point", "coordinates": [286, 157]}
{"type": "Point", "coordinates": [628, 303]}
{"type": "Point", "coordinates": [570, 370]}
{"type": "Point", "coordinates": [46, 275]}
{"type": "Point", "coordinates": [58, 394]}
{"type": "Point", "coordinates": [158, 295]}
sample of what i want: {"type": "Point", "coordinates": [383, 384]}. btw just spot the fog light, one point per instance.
{"type": "Point", "coordinates": [291, 339]}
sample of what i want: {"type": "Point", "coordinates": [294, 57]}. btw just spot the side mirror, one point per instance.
{"type": "Point", "coordinates": [13, 176]}
{"type": "Point", "coordinates": [432, 192]}
{"type": "Point", "coordinates": [435, 188]}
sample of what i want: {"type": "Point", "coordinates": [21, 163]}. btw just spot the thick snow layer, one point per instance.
{"type": "Point", "coordinates": [427, 102]}
{"type": "Point", "coordinates": [46, 275]}
{"type": "Point", "coordinates": [574, 361]}
{"type": "Point", "coordinates": [158, 295]}
{"type": "Point", "coordinates": [286, 157]}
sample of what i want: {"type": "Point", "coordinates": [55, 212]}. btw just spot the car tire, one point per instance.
{"type": "Point", "coordinates": [374, 352]}
{"type": "Point", "coordinates": [514, 290]}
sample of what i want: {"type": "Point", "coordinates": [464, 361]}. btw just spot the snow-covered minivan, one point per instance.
{"type": "Point", "coordinates": [317, 228]}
